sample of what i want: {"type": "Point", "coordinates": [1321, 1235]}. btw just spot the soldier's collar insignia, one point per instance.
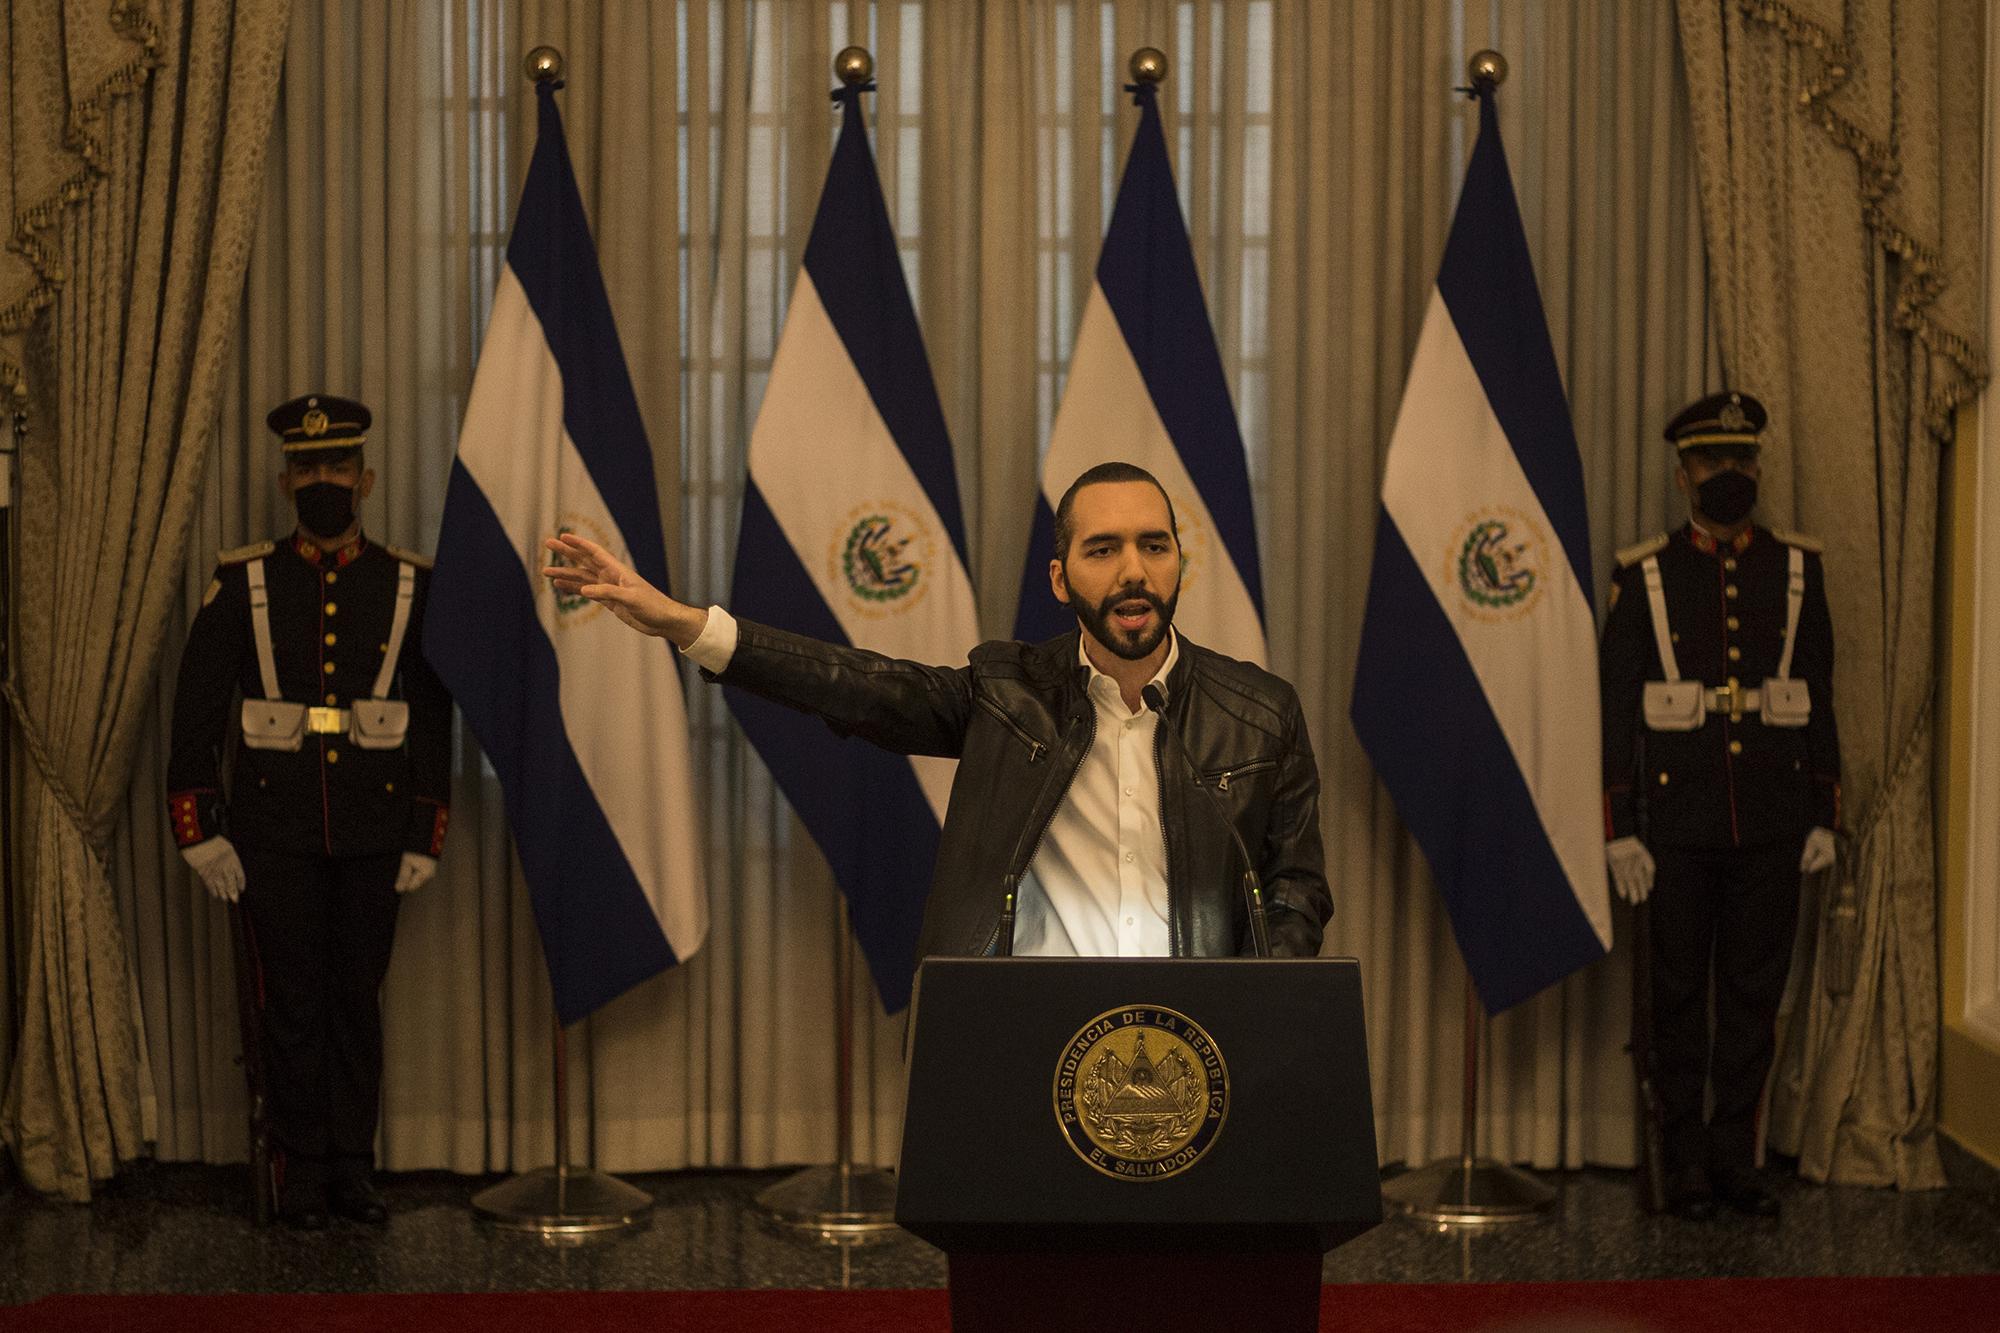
{"type": "Point", "coordinates": [1702, 541]}
{"type": "Point", "coordinates": [310, 552]}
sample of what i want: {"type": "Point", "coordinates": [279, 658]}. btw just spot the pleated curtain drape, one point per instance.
{"type": "Point", "coordinates": [135, 135]}
{"type": "Point", "coordinates": [1318, 149]}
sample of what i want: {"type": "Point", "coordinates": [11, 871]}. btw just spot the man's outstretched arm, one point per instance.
{"type": "Point", "coordinates": [907, 707]}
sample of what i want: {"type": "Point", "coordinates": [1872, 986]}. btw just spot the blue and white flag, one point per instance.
{"type": "Point", "coordinates": [1146, 386]}
{"type": "Point", "coordinates": [1476, 689]}
{"type": "Point", "coordinates": [583, 720]}
{"type": "Point", "coordinates": [852, 533]}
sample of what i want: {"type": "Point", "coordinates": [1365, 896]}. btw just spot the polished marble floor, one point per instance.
{"type": "Point", "coordinates": [181, 1228]}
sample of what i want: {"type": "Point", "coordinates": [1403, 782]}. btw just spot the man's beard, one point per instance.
{"type": "Point", "coordinates": [1130, 646]}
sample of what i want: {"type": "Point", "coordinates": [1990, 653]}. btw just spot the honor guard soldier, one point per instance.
{"type": "Point", "coordinates": [304, 679]}
{"type": "Point", "coordinates": [1722, 787]}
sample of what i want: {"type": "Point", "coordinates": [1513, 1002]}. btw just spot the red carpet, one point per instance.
{"type": "Point", "coordinates": [1740, 1305]}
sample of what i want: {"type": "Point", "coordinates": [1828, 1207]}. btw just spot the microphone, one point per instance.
{"type": "Point", "coordinates": [1253, 894]}
{"type": "Point", "coordinates": [1002, 945]}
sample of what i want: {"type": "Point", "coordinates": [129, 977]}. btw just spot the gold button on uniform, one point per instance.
{"type": "Point", "coordinates": [329, 641]}
{"type": "Point", "coordinates": [1736, 747]}
{"type": "Point", "coordinates": [332, 756]}
{"type": "Point", "coordinates": [1732, 623]}
{"type": "Point", "coordinates": [331, 577]}
{"type": "Point", "coordinates": [329, 608]}
{"type": "Point", "coordinates": [389, 787]}
{"type": "Point", "coordinates": [327, 668]}
{"type": "Point", "coordinates": [1735, 653]}
{"type": "Point", "coordinates": [332, 698]}
{"type": "Point", "coordinates": [1663, 779]}
{"type": "Point", "coordinates": [1729, 565]}
{"type": "Point", "coordinates": [1729, 590]}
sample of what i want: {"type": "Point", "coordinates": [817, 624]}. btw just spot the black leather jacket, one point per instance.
{"type": "Point", "coordinates": [1019, 722]}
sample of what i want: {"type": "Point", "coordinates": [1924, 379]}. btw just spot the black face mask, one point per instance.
{"type": "Point", "coordinates": [326, 508]}
{"type": "Point", "coordinates": [1726, 497]}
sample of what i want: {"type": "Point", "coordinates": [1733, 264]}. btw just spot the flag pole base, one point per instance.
{"type": "Point", "coordinates": [1449, 1192]}
{"type": "Point", "coordinates": [563, 1204]}
{"type": "Point", "coordinates": [840, 1204]}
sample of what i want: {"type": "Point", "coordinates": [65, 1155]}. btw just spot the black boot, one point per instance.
{"type": "Point", "coordinates": [302, 1194]}
{"type": "Point", "coordinates": [1689, 1195]}
{"type": "Point", "coordinates": [353, 1195]}
{"type": "Point", "coordinates": [1742, 1190]}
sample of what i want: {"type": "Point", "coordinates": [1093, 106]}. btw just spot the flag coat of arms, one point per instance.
{"type": "Point", "coordinates": [1146, 387]}
{"type": "Point", "coordinates": [583, 720]}
{"type": "Point", "coordinates": [852, 533]}
{"type": "Point", "coordinates": [1476, 687]}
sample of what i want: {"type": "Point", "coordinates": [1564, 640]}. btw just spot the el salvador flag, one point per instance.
{"type": "Point", "coordinates": [582, 719]}
{"type": "Point", "coordinates": [1476, 688]}
{"type": "Point", "coordinates": [1146, 386]}
{"type": "Point", "coordinates": [852, 533]}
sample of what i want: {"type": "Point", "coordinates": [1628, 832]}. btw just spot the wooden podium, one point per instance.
{"type": "Point", "coordinates": [1144, 1143]}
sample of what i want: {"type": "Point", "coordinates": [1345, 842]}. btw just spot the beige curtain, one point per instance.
{"type": "Point", "coordinates": [1318, 148]}
{"type": "Point", "coordinates": [149, 120]}
{"type": "Point", "coordinates": [1840, 152]}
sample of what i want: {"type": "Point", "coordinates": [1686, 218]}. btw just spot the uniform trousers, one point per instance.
{"type": "Point", "coordinates": [321, 929]}
{"type": "Point", "coordinates": [1733, 910]}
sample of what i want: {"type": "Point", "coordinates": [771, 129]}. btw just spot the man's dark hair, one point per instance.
{"type": "Point", "coordinates": [1066, 521]}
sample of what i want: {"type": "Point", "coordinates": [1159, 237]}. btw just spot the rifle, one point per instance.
{"type": "Point", "coordinates": [250, 1025]}
{"type": "Point", "coordinates": [1652, 1115]}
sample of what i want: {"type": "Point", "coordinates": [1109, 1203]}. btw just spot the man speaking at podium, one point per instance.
{"type": "Point", "coordinates": [1121, 791]}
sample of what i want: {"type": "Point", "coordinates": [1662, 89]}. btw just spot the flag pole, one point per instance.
{"type": "Point", "coordinates": [561, 1203]}
{"type": "Point", "coordinates": [1469, 1190]}
{"type": "Point", "coordinates": [842, 1204]}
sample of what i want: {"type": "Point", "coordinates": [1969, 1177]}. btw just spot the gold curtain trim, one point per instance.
{"type": "Point", "coordinates": [1879, 169]}
{"type": "Point", "coordinates": [81, 136]}
{"type": "Point", "coordinates": [45, 765]}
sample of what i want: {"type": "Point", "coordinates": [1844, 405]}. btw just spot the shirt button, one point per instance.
{"type": "Point", "coordinates": [1735, 653]}
{"type": "Point", "coordinates": [1736, 747]}
{"type": "Point", "coordinates": [1128, 856]}
{"type": "Point", "coordinates": [332, 756]}
{"type": "Point", "coordinates": [1128, 920]}
{"type": "Point", "coordinates": [329, 608]}
{"type": "Point", "coordinates": [1131, 791]}
{"type": "Point", "coordinates": [329, 641]}
{"type": "Point", "coordinates": [327, 668]}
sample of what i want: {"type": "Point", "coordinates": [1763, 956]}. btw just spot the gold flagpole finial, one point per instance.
{"type": "Point", "coordinates": [1486, 69]}
{"type": "Point", "coordinates": [854, 66]}
{"type": "Point", "coordinates": [1148, 65]}
{"type": "Point", "coordinates": [544, 65]}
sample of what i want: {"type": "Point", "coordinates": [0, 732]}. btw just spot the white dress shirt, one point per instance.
{"type": "Point", "coordinates": [1097, 884]}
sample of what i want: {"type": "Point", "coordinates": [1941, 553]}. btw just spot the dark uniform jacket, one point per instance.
{"type": "Point", "coordinates": [1731, 783]}
{"type": "Point", "coordinates": [1020, 712]}
{"type": "Point", "coordinates": [330, 617]}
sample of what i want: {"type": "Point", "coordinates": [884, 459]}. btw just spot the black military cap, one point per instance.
{"type": "Point", "coordinates": [320, 421]}
{"type": "Point", "coordinates": [1726, 418]}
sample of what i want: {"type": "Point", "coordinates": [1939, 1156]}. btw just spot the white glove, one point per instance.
{"type": "Point", "coordinates": [1819, 852]}
{"type": "Point", "coordinates": [221, 870]}
{"type": "Point", "coordinates": [415, 872]}
{"type": "Point", "coordinates": [1631, 868]}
